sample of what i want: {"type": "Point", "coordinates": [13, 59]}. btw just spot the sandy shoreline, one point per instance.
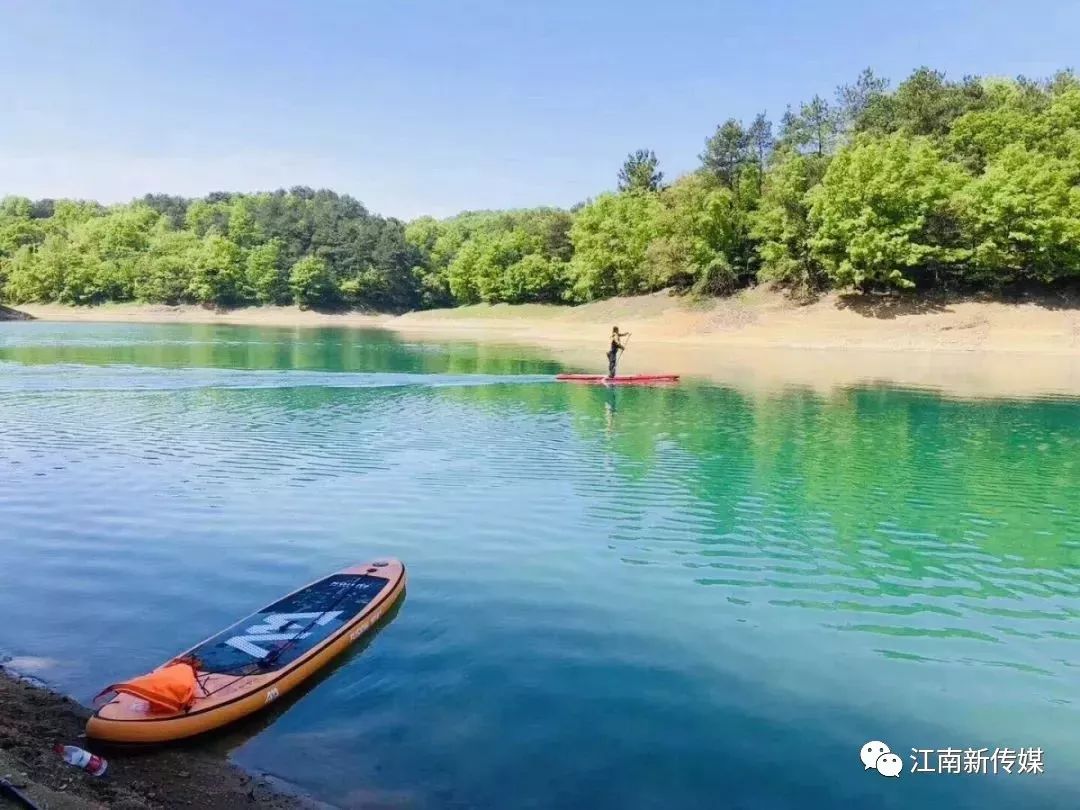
{"type": "Point", "coordinates": [34, 717]}
{"type": "Point", "coordinates": [759, 340]}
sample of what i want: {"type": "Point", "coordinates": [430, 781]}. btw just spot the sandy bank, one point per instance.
{"type": "Point", "coordinates": [33, 718]}
{"type": "Point", "coordinates": [759, 318]}
{"type": "Point", "coordinates": [759, 339]}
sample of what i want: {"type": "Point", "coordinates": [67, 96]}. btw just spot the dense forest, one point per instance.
{"type": "Point", "coordinates": [969, 184]}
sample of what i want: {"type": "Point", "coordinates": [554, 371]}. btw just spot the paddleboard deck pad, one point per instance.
{"type": "Point", "coordinates": [258, 660]}
{"type": "Point", "coordinates": [631, 379]}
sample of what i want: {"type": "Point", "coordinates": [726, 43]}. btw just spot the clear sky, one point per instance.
{"type": "Point", "coordinates": [434, 107]}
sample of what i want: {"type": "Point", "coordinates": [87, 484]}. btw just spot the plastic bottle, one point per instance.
{"type": "Point", "coordinates": [91, 763]}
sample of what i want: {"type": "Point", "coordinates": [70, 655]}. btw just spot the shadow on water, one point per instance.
{"type": "Point", "coordinates": [229, 738]}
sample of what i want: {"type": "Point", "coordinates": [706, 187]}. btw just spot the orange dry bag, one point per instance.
{"type": "Point", "coordinates": [169, 689]}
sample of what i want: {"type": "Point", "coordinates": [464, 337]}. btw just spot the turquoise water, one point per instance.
{"type": "Point", "coordinates": [635, 598]}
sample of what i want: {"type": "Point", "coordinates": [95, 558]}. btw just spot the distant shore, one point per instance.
{"type": "Point", "coordinates": [759, 338]}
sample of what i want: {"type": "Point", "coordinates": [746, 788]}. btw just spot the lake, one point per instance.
{"type": "Point", "coordinates": [638, 598]}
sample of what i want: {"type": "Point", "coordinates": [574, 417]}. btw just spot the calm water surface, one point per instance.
{"type": "Point", "coordinates": [648, 598]}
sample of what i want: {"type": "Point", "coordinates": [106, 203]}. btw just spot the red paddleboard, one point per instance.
{"type": "Point", "coordinates": [632, 379]}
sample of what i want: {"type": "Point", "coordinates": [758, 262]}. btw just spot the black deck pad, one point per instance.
{"type": "Point", "coordinates": [279, 634]}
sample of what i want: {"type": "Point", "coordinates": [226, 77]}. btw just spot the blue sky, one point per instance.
{"type": "Point", "coordinates": [434, 107]}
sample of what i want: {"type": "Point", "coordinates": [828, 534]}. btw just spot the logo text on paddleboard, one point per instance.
{"type": "Point", "coordinates": [279, 627]}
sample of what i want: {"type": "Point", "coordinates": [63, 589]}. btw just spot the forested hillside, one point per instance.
{"type": "Point", "coordinates": [972, 183]}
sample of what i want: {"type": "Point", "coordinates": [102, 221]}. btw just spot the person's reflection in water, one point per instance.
{"type": "Point", "coordinates": [611, 465]}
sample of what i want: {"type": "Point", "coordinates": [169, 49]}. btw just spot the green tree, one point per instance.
{"type": "Point", "coordinates": [701, 240]}
{"type": "Point", "coordinates": [110, 247]}
{"type": "Point", "coordinates": [163, 272]}
{"type": "Point", "coordinates": [25, 279]}
{"type": "Point", "coordinates": [19, 276]}
{"type": "Point", "coordinates": [205, 216]}
{"type": "Point", "coordinates": [1015, 113]}
{"type": "Point", "coordinates": [611, 236]}
{"type": "Point", "coordinates": [89, 256]}
{"type": "Point", "coordinates": [640, 172]}
{"type": "Point", "coordinates": [1023, 217]}
{"type": "Point", "coordinates": [386, 280]}
{"type": "Point", "coordinates": [172, 209]}
{"type": "Point", "coordinates": [68, 213]}
{"type": "Point", "coordinates": [468, 265]}
{"type": "Point", "coordinates": [450, 239]}
{"type": "Point", "coordinates": [782, 222]}
{"type": "Point", "coordinates": [266, 276]}
{"type": "Point", "coordinates": [487, 255]}
{"type": "Point", "coordinates": [761, 144]}
{"type": "Point", "coordinates": [927, 104]}
{"type": "Point", "coordinates": [535, 278]}
{"type": "Point", "coordinates": [241, 222]}
{"type": "Point", "coordinates": [481, 269]}
{"type": "Point", "coordinates": [863, 104]}
{"type": "Point", "coordinates": [312, 284]}
{"type": "Point", "coordinates": [726, 151]}
{"type": "Point", "coordinates": [218, 272]}
{"type": "Point", "coordinates": [883, 213]}
{"type": "Point", "coordinates": [423, 234]}
{"type": "Point", "coordinates": [813, 129]}
{"type": "Point", "coordinates": [55, 271]}
{"type": "Point", "coordinates": [18, 225]}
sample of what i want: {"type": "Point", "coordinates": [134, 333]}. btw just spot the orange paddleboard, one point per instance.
{"type": "Point", "coordinates": [258, 660]}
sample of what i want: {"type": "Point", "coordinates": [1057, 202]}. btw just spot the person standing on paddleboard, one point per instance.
{"type": "Point", "coordinates": [616, 347]}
